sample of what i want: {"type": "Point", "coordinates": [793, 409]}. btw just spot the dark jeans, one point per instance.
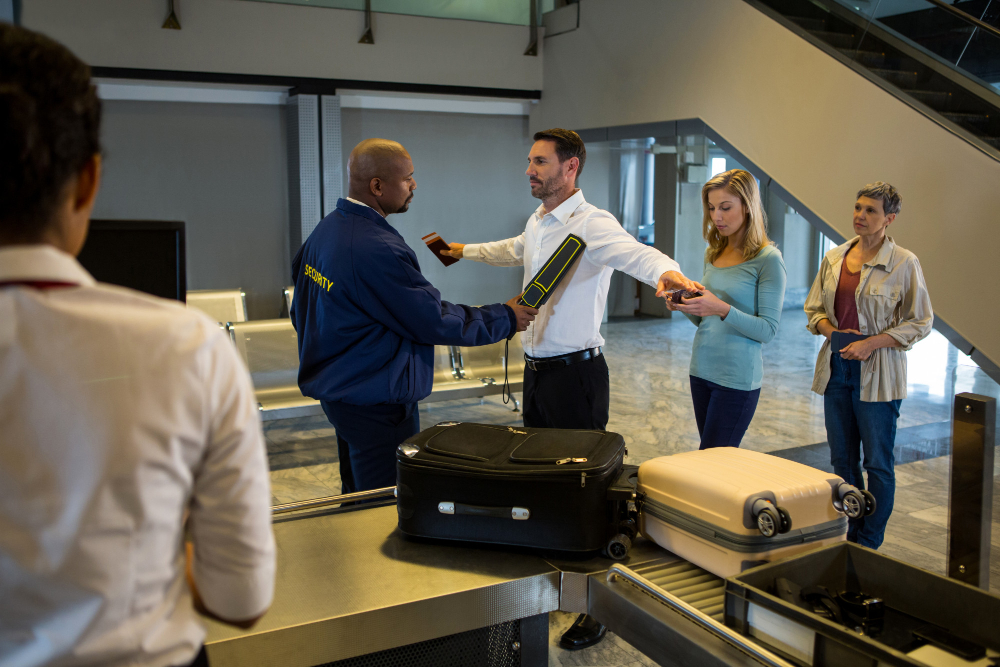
{"type": "Point", "coordinates": [723, 414]}
{"type": "Point", "coordinates": [852, 426]}
{"type": "Point", "coordinates": [367, 437]}
{"type": "Point", "coordinates": [574, 396]}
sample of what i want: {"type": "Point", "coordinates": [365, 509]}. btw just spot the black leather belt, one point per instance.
{"type": "Point", "coordinates": [545, 363]}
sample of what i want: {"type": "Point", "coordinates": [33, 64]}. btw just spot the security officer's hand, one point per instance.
{"type": "Point", "coordinates": [456, 250]}
{"type": "Point", "coordinates": [523, 314]}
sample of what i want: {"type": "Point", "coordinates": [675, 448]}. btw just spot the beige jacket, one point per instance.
{"type": "Point", "coordinates": [892, 299]}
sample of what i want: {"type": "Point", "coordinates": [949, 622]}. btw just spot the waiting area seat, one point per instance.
{"type": "Point", "coordinates": [222, 305]}
{"type": "Point", "coordinates": [270, 350]}
{"type": "Point", "coordinates": [471, 372]}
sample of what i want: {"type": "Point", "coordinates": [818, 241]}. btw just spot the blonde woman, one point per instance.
{"type": "Point", "coordinates": [737, 312]}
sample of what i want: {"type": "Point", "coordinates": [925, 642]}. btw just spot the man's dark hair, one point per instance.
{"type": "Point", "coordinates": [568, 144]}
{"type": "Point", "coordinates": [50, 120]}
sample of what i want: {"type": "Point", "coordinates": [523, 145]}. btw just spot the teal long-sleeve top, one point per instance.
{"type": "Point", "coordinates": [729, 352]}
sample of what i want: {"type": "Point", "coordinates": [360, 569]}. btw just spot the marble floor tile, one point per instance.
{"type": "Point", "coordinates": [613, 651]}
{"type": "Point", "coordinates": [295, 484]}
{"type": "Point", "coordinates": [913, 552]}
{"type": "Point", "coordinates": [938, 515]}
{"type": "Point", "coordinates": [909, 527]}
{"type": "Point", "coordinates": [904, 478]}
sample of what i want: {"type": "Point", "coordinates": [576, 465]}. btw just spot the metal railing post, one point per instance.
{"type": "Point", "coordinates": [970, 502]}
{"type": "Point", "coordinates": [532, 49]}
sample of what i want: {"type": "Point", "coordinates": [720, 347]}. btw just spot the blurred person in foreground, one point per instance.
{"type": "Point", "coordinates": [120, 415]}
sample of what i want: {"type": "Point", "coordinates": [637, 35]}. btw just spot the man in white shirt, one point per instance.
{"type": "Point", "coordinates": [120, 414]}
{"type": "Point", "coordinates": [566, 378]}
{"type": "Point", "coordinates": [566, 383]}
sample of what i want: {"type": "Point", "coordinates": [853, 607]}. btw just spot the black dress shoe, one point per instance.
{"type": "Point", "coordinates": [586, 631]}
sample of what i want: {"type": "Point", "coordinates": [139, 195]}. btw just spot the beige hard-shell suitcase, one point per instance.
{"type": "Point", "coordinates": [727, 509]}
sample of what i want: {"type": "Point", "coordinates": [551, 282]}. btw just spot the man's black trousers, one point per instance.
{"type": "Point", "coordinates": [574, 396]}
{"type": "Point", "coordinates": [367, 438]}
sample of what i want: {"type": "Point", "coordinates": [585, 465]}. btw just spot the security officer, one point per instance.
{"type": "Point", "coordinates": [122, 413]}
{"type": "Point", "coordinates": [368, 320]}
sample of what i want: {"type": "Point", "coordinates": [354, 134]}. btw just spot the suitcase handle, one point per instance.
{"type": "Point", "coordinates": [516, 513]}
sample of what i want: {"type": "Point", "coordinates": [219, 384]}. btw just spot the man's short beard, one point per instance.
{"type": "Point", "coordinates": [543, 190]}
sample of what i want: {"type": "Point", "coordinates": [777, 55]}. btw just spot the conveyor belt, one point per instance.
{"type": "Point", "coordinates": [349, 584]}
{"type": "Point", "coordinates": [701, 589]}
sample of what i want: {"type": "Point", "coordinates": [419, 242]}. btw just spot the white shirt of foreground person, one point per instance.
{"type": "Point", "coordinates": [570, 320]}
{"type": "Point", "coordinates": [118, 413]}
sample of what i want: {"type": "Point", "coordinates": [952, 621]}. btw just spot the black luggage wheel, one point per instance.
{"type": "Point", "coordinates": [618, 547]}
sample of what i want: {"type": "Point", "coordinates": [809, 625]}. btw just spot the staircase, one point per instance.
{"type": "Point", "coordinates": [924, 77]}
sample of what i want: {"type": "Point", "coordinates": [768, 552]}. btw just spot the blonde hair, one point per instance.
{"type": "Point", "coordinates": [742, 184]}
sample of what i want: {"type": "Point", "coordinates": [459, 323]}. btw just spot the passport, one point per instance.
{"type": "Point", "coordinates": [437, 244]}
{"type": "Point", "coordinates": [841, 339]}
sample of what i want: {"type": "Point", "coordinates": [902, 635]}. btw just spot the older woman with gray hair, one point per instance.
{"type": "Point", "coordinates": [871, 303]}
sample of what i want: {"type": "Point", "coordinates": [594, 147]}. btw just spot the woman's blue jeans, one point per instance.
{"type": "Point", "coordinates": [723, 414]}
{"type": "Point", "coordinates": [852, 426]}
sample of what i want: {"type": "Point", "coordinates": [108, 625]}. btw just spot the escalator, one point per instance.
{"type": "Point", "coordinates": [942, 58]}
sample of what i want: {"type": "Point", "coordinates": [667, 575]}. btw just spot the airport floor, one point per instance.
{"type": "Point", "coordinates": [651, 408]}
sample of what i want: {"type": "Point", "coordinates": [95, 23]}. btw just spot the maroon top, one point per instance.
{"type": "Point", "coordinates": [844, 305]}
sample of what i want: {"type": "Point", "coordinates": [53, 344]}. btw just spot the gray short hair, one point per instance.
{"type": "Point", "coordinates": [892, 201]}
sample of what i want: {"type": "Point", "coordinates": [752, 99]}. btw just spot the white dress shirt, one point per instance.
{"type": "Point", "coordinates": [119, 412]}
{"type": "Point", "coordinates": [570, 320]}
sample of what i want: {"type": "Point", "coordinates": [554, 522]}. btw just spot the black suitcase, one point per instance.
{"type": "Point", "coordinates": [556, 489]}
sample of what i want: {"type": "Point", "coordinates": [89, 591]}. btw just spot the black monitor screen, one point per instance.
{"type": "Point", "coordinates": [144, 255]}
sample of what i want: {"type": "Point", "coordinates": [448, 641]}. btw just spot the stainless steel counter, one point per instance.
{"type": "Point", "coordinates": [349, 584]}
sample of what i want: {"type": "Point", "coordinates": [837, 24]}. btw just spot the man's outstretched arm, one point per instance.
{"type": "Point", "coordinates": [508, 252]}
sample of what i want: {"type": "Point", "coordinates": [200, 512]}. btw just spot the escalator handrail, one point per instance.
{"type": "Point", "coordinates": [693, 614]}
{"type": "Point", "coordinates": [966, 17]}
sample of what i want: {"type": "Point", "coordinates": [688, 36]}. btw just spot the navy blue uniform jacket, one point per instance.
{"type": "Point", "coordinates": [367, 319]}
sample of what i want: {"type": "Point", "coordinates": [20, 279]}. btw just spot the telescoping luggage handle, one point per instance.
{"type": "Point", "coordinates": [515, 513]}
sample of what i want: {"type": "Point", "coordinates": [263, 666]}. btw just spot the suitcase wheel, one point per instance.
{"type": "Point", "coordinates": [854, 504]}
{"type": "Point", "coordinates": [786, 520]}
{"type": "Point", "coordinates": [869, 502]}
{"type": "Point", "coordinates": [618, 547]}
{"type": "Point", "coordinates": [768, 521]}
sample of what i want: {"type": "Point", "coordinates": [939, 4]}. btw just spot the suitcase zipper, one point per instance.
{"type": "Point", "coordinates": [735, 541]}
